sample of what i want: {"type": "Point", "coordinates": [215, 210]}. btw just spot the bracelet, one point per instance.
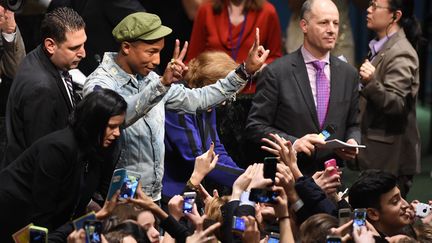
{"type": "Point", "coordinates": [282, 218]}
{"type": "Point", "coordinates": [241, 72]}
{"type": "Point", "coordinates": [192, 186]}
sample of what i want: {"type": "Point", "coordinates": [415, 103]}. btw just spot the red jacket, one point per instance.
{"type": "Point", "coordinates": [211, 32]}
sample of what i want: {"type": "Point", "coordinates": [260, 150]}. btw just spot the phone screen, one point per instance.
{"type": "Point", "coordinates": [359, 217]}
{"type": "Point", "coordinates": [37, 236]}
{"type": "Point", "coordinates": [273, 238]}
{"type": "Point", "coordinates": [263, 195]}
{"type": "Point", "coordinates": [129, 186]}
{"type": "Point", "coordinates": [333, 239]}
{"type": "Point", "coordinates": [93, 231]}
{"type": "Point", "coordinates": [270, 167]}
{"type": "Point", "coordinates": [238, 224]}
{"type": "Point", "coordinates": [188, 201]}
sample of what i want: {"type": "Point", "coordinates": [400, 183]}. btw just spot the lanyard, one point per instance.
{"type": "Point", "coordinates": [235, 50]}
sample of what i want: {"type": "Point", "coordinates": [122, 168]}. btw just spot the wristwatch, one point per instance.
{"type": "Point", "coordinates": [241, 72]}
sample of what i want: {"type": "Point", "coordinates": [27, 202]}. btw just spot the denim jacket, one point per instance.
{"type": "Point", "coordinates": [143, 148]}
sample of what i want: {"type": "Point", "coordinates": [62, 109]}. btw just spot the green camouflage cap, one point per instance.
{"type": "Point", "coordinates": [140, 25]}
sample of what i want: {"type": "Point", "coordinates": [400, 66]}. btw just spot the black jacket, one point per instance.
{"type": "Point", "coordinates": [38, 104]}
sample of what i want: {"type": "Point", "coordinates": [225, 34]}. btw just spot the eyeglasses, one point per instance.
{"type": "Point", "coordinates": [375, 5]}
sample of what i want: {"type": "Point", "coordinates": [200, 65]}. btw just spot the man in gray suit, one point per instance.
{"type": "Point", "coordinates": [297, 99]}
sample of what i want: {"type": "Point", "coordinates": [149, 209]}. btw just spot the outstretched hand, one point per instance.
{"type": "Point", "coordinates": [257, 55]}
{"type": "Point", "coordinates": [203, 165]}
{"type": "Point", "coordinates": [175, 68]}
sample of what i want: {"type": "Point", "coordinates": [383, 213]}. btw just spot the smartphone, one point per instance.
{"type": "Point", "coordinates": [38, 234]}
{"type": "Point", "coordinates": [129, 185]}
{"type": "Point", "coordinates": [331, 163]}
{"type": "Point", "coordinates": [344, 215]}
{"type": "Point", "coordinates": [263, 195]}
{"type": "Point", "coordinates": [238, 224]}
{"type": "Point", "coordinates": [333, 239]}
{"type": "Point", "coordinates": [359, 217]}
{"type": "Point", "coordinates": [270, 167]}
{"type": "Point", "coordinates": [423, 210]}
{"type": "Point", "coordinates": [188, 201]}
{"type": "Point", "coordinates": [78, 223]}
{"type": "Point", "coordinates": [273, 238]}
{"type": "Point", "coordinates": [93, 231]}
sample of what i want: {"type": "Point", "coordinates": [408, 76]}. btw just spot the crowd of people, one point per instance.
{"type": "Point", "coordinates": [278, 180]}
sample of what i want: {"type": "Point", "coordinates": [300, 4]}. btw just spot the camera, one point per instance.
{"type": "Point", "coordinates": [423, 210]}
{"type": "Point", "coordinates": [12, 5]}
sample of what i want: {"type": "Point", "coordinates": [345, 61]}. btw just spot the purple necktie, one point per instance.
{"type": "Point", "coordinates": [322, 91]}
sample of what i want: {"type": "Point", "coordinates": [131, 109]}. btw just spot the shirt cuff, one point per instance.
{"type": "Point", "coordinates": [244, 199]}
{"type": "Point", "coordinates": [297, 205]}
{"type": "Point", "coordinates": [9, 37]}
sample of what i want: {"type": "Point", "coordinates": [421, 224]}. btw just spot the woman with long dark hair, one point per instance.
{"type": "Point", "coordinates": [390, 79]}
{"type": "Point", "coordinates": [54, 179]}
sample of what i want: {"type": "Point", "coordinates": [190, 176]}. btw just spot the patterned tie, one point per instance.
{"type": "Point", "coordinates": [68, 79]}
{"type": "Point", "coordinates": [322, 91]}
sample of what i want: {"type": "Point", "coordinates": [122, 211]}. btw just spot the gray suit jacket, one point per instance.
{"type": "Point", "coordinates": [284, 104]}
{"type": "Point", "coordinates": [388, 120]}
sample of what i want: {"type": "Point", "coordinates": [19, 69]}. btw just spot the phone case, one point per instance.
{"type": "Point", "coordinates": [22, 235]}
{"type": "Point", "coordinates": [124, 180]}
{"type": "Point", "coordinates": [78, 223]}
{"type": "Point", "coordinates": [38, 234]}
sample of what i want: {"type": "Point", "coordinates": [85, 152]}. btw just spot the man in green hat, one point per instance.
{"type": "Point", "coordinates": [130, 73]}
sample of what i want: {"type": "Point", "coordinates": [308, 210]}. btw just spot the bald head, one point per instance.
{"type": "Point", "coordinates": [308, 6]}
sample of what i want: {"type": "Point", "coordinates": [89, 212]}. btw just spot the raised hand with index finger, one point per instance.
{"type": "Point", "coordinates": [257, 55]}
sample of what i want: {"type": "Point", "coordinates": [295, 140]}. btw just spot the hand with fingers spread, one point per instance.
{"type": "Point", "coordinates": [343, 231]}
{"type": "Point", "coordinates": [257, 55]}
{"type": "Point", "coordinates": [367, 71]}
{"type": "Point", "coordinates": [175, 68]}
{"type": "Point", "coordinates": [326, 181]}
{"type": "Point", "coordinates": [200, 235]}
{"type": "Point", "coordinates": [203, 165]}
{"type": "Point", "coordinates": [284, 150]}
{"type": "Point", "coordinates": [251, 233]}
{"type": "Point", "coordinates": [285, 179]}
{"type": "Point", "coordinates": [242, 182]}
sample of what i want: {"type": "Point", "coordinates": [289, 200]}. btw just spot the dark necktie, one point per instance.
{"type": "Point", "coordinates": [68, 79]}
{"type": "Point", "coordinates": [322, 91]}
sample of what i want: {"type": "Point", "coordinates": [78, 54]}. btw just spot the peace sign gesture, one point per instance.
{"type": "Point", "coordinates": [176, 67]}
{"type": "Point", "coordinates": [257, 55]}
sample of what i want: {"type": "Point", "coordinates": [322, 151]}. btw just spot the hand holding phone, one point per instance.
{"type": "Point", "coordinates": [273, 238]}
{"type": "Point", "coordinates": [188, 201]}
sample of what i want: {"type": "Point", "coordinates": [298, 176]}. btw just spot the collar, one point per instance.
{"type": "Point", "coordinates": [376, 45]}
{"type": "Point", "coordinates": [111, 67]}
{"type": "Point", "coordinates": [309, 58]}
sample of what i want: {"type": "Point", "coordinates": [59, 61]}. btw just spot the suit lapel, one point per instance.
{"type": "Point", "coordinates": [337, 88]}
{"type": "Point", "coordinates": [379, 57]}
{"type": "Point", "coordinates": [301, 76]}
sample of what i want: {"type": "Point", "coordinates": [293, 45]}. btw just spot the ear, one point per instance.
{"type": "Point", "coordinates": [397, 15]}
{"type": "Point", "coordinates": [373, 214]}
{"type": "Point", "coordinates": [125, 47]}
{"type": "Point", "coordinates": [303, 25]}
{"type": "Point", "coordinates": [50, 45]}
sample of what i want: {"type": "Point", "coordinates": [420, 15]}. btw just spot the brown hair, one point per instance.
{"type": "Point", "coordinates": [213, 211]}
{"type": "Point", "coordinates": [316, 228]}
{"type": "Point", "coordinates": [254, 5]}
{"type": "Point", "coordinates": [208, 67]}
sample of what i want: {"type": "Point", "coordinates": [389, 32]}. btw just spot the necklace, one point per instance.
{"type": "Point", "coordinates": [235, 49]}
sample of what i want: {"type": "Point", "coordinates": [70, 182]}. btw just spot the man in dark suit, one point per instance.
{"type": "Point", "coordinates": [42, 95]}
{"type": "Point", "coordinates": [297, 99]}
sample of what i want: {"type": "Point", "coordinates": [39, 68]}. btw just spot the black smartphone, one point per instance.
{"type": "Point", "coordinates": [333, 239]}
{"type": "Point", "coordinates": [188, 201]}
{"type": "Point", "coordinates": [93, 231]}
{"type": "Point", "coordinates": [359, 217]}
{"type": "Point", "coordinates": [238, 224]}
{"type": "Point", "coordinates": [270, 167]}
{"type": "Point", "coordinates": [38, 234]}
{"type": "Point", "coordinates": [263, 195]}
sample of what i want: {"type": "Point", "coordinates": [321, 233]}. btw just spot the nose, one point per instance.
{"type": "Point", "coordinates": [405, 204]}
{"type": "Point", "coordinates": [156, 59]}
{"type": "Point", "coordinates": [81, 52]}
{"type": "Point", "coordinates": [116, 132]}
{"type": "Point", "coordinates": [154, 234]}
